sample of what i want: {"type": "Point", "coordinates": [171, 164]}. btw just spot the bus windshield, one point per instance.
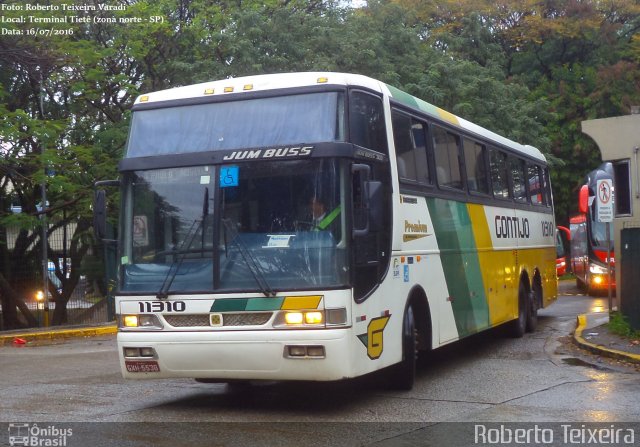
{"type": "Point", "coordinates": [262, 122]}
{"type": "Point", "coordinates": [256, 226]}
{"type": "Point", "coordinates": [599, 233]}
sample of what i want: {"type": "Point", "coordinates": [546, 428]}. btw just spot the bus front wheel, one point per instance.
{"type": "Point", "coordinates": [402, 376]}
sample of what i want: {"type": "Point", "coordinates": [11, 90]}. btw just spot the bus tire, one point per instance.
{"type": "Point", "coordinates": [402, 376]}
{"type": "Point", "coordinates": [532, 312]}
{"type": "Point", "coordinates": [519, 325]}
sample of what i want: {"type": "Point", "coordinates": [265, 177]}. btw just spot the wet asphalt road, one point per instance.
{"type": "Point", "coordinates": [489, 378]}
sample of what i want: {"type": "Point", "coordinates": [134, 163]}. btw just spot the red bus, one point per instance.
{"type": "Point", "coordinates": [589, 248]}
{"type": "Point", "coordinates": [562, 234]}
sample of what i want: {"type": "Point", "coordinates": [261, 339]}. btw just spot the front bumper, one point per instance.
{"type": "Point", "coordinates": [240, 355]}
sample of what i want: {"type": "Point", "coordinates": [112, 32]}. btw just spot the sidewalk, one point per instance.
{"type": "Point", "coordinates": [24, 336]}
{"type": "Point", "coordinates": [592, 334]}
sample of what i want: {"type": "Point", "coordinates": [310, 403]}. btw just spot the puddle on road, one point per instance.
{"type": "Point", "coordinates": [579, 362]}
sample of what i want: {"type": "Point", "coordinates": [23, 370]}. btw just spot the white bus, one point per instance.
{"type": "Point", "coordinates": [320, 226]}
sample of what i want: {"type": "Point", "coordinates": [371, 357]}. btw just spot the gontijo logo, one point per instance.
{"type": "Point", "coordinates": [374, 338]}
{"type": "Point", "coordinates": [512, 227]}
{"type": "Point", "coordinates": [32, 435]}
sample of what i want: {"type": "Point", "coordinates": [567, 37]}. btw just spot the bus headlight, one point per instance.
{"type": "Point", "coordinates": [140, 321]}
{"type": "Point", "coordinates": [597, 280]}
{"type": "Point", "coordinates": [300, 318]}
{"type": "Point", "coordinates": [597, 270]}
{"type": "Point", "coordinates": [130, 321]}
{"type": "Point", "coordinates": [311, 318]}
{"type": "Point", "coordinates": [316, 317]}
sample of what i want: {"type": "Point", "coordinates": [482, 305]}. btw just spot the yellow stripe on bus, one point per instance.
{"type": "Point", "coordinates": [448, 116]}
{"type": "Point", "coordinates": [497, 268]}
{"type": "Point", "coordinates": [301, 302]}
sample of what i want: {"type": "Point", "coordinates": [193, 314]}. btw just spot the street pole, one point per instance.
{"type": "Point", "coordinates": [45, 260]}
{"type": "Point", "coordinates": [45, 223]}
{"type": "Point", "coordinates": [609, 267]}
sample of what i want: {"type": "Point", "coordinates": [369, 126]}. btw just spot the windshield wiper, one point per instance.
{"type": "Point", "coordinates": [253, 266]}
{"type": "Point", "coordinates": [163, 293]}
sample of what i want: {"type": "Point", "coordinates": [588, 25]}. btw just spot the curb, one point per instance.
{"type": "Point", "coordinates": [58, 334]}
{"type": "Point", "coordinates": [599, 349]}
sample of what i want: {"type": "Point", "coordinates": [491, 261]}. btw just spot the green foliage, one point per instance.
{"type": "Point", "coordinates": [618, 324]}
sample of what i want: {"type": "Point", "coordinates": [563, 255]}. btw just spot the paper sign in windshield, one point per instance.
{"type": "Point", "coordinates": [279, 240]}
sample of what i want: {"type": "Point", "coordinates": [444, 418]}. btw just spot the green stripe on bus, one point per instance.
{"type": "Point", "coordinates": [458, 254]}
{"type": "Point", "coordinates": [412, 101]}
{"type": "Point", "coordinates": [246, 304]}
{"type": "Point", "coordinates": [229, 305]}
{"type": "Point", "coordinates": [265, 303]}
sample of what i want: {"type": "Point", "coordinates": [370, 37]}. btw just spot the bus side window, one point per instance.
{"type": "Point", "coordinates": [403, 142]}
{"type": "Point", "coordinates": [535, 185]}
{"type": "Point", "coordinates": [547, 187]}
{"type": "Point", "coordinates": [446, 148]}
{"type": "Point", "coordinates": [499, 174]}
{"type": "Point", "coordinates": [366, 121]}
{"type": "Point", "coordinates": [517, 179]}
{"type": "Point", "coordinates": [475, 160]}
{"type": "Point", "coordinates": [411, 154]}
{"type": "Point", "coordinates": [419, 132]}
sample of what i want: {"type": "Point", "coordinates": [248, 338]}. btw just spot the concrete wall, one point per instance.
{"type": "Point", "coordinates": [619, 139]}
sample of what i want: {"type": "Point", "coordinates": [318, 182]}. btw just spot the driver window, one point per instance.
{"type": "Point", "coordinates": [366, 121]}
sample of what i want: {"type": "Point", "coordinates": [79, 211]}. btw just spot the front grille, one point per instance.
{"type": "Point", "coordinates": [228, 319]}
{"type": "Point", "coordinates": [246, 319]}
{"type": "Point", "coordinates": [187, 320]}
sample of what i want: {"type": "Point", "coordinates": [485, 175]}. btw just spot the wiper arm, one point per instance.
{"type": "Point", "coordinates": [254, 268]}
{"type": "Point", "coordinates": [163, 293]}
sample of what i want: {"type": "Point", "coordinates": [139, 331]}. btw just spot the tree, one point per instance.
{"type": "Point", "coordinates": [528, 69]}
{"type": "Point", "coordinates": [66, 106]}
{"type": "Point", "coordinates": [580, 58]}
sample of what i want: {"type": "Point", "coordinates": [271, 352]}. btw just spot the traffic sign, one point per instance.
{"type": "Point", "coordinates": [604, 200]}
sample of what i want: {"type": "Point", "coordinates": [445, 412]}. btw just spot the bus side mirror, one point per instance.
{"type": "Point", "coordinates": [100, 214]}
{"type": "Point", "coordinates": [100, 208]}
{"type": "Point", "coordinates": [583, 199]}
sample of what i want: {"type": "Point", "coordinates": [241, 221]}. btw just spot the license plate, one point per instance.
{"type": "Point", "coordinates": [150, 366]}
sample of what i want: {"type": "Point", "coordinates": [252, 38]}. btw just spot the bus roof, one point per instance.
{"type": "Point", "coordinates": [307, 79]}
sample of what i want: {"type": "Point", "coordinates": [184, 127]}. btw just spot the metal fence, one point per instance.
{"type": "Point", "coordinates": [87, 303]}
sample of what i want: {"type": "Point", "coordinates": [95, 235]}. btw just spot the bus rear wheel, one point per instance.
{"type": "Point", "coordinates": [403, 375]}
{"type": "Point", "coordinates": [518, 327]}
{"type": "Point", "coordinates": [533, 298]}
